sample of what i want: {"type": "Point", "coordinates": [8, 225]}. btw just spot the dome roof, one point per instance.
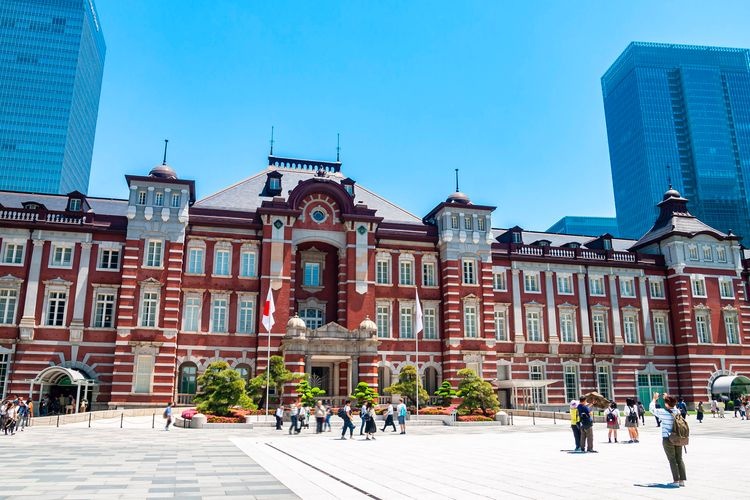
{"type": "Point", "coordinates": [368, 325]}
{"type": "Point", "coordinates": [458, 197]}
{"type": "Point", "coordinates": [671, 193]}
{"type": "Point", "coordinates": [296, 322]}
{"type": "Point", "coordinates": [163, 171]}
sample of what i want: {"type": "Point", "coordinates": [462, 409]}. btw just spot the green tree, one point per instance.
{"type": "Point", "coordinates": [278, 376]}
{"type": "Point", "coordinates": [221, 388]}
{"type": "Point", "coordinates": [476, 393]}
{"type": "Point", "coordinates": [307, 393]}
{"type": "Point", "coordinates": [364, 393]}
{"type": "Point", "coordinates": [407, 386]}
{"type": "Point", "coordinates": [446, 393]}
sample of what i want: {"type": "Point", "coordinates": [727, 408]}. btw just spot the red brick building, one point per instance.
{"type": "Point", "coordinates": [124, 302]}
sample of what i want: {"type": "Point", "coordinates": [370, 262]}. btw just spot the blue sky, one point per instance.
{"type": "Point", "coordinates": [508, 92]}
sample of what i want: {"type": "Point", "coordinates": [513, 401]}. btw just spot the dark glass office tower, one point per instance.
{"type": "Point", "coordinates": [51, 65]}
{"type": "Point", "coordinates": [679, 114]}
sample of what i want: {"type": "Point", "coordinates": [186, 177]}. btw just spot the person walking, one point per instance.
{"type": "Point", "coordinates": [362, 413]}
{"type": "Point", "coordinates": [329, 414]}
{"type": "Point", "coordinates": [575, 424]}
{"type": "Point", "coordinates": [279, 417]}
{"type": "Point", "coordinates": [302, 418]}
{"type": "Point", "coordinates": [631, 419]}
{"type": "Point", "coordinates": [293, 416]}
{"type": "Point", "coordinates": [682, 407]}
{"type": "Point", "coordinates": [346, 414]}
{"type": "Point", "coordinates": [168, 415]}
{"type": "Point", "coordinates": [641, 413]}
{"type": "Point", "coordinates": [389, 418]}
{"type": "Point", "coordinates": [743, 410]}
{"type": "Point", "coordinates": [612, 415]}
{"type": "Point", "coordinates": [699, 412]}
{"type": "Point", "coordinates": [401, 408]}
{"type": "Point", "coordinates": [370, 427]}
{"type": "Point", "coordinates": [587, 426]}
{"type": "Point", "coordinates": [320, 416]}
{"type": "Point", "coordinates": [714, 408]}
{"type": "Point", "coordinates": [673, 452]}
{"type": "Point", "coordinates": [736, 403]}
{"type": "Point", "coordinates": [23, 414]}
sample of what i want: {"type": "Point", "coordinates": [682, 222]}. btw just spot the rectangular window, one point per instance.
{"type": "Point", "coordinates": [599, 321]}
{"type": "Point", "coordinates": [219, 315]}
{"type": "Point", "coordinates": [596, 285]}
{"type": "Point", "coordinates": [699, 286]}
{"type": "Point", "coordinates": [501, 325]}
{"type": "Point", "coordinates": [657, 288]}
{"type": "Point", "coordinates": [693, 252]}
{"type": "Point", "coordinates": [8, 301]}
{"type": "Point", "coordinates": [175, 200]}
{"type": "Point", "coordinates": [149, 308]}
{"type": "Point", "coordinates": [245, 321]}
{"type": "Point", "coordinates": [159, 199]}
{"type": "Point", "coordinates": [565, 284]}
{"type": "Point", "coordinates": [247, 264]}
{"type": "Point", "coordinates": [221, 263]}
{"type": "Point", "coordinates": [604, 381]}
{"type": "Point", "coordinates": [383, 320]}
{"type": "Point", "coordinates": [660, 330]}
{"type": "Point", "coordinates": [567, 327]}
{"type": "Point", "coordinates": [154, 253]}
{"type": "Point", "coordinates": [74, 205]}
{"type": "Point", "coordinates": [627, 287]}
{"type": "Point", "coordinates": [721, 254]}
{"type": "Point", "coordinates": [468, 223]}
{"type": "Point", "coordinates": [428, 274]}
{"type": "Point", "coordinates": [109, 259]}
{"type": "Point", "coordinates": [533, 326]}
{"type": "Point", "coordinates": [630, 326]}
{"type": "Point", "coordinates": [538, 394]}
{"type": "Point", "coordinates": [725, 288]}
{"type": "Point", "coordinates": [406, 322]}
{"type": "Point", "coordinates": [56, 308]}
{"type": "Point", "coordinates": [708, 254]}
{"type": "Point", "coordinates": [406, 273]}
{"type": "Point", "coordinates": [500, 282]}
{"type": "Point", "coordinates": [141, 197]}
{"type": "Point", "coordinates": [104, 310]}
{"type": "Point", "coordinates": [470, 321]}
{"type": "Point", "coordinates": [454, 221]}
{"type": "Point", "coordinates": [13, 253]}
{"type": "Point", "coordinates": [382, 271]}
{"type": "Point", "coordinates": [311, 275]}
{"type": "Point", "coordinates": [62, 256]}
{"type": "Point", "coordinates": [572, 391]}
{"type": "Point", "coordinates": [531, 282]}
{"type": "Point", "coordinates": [144, 370]}
{"type": "Point", "coordinates": [481, 223]}
{"type": "Point", "coordinates": [702, 328]}
{"type": "Point", "coordinates": [429, 319]}
{"type": "Point", "coordinates": [195, 261]}
{"type": "Point", "coordinates": [469, 272]}
{"type": "Point", "coordinates": [192, 314]}
{"type": "Point", "coordinates": [730, 325]}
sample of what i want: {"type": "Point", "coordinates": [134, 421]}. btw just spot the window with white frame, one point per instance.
{"type": "Point", "coordinates": [630, 328]}
{"type": "Point", "coordinates": [656, 287]}
{"type": "Point", "coordinates": [104, 309]}
{"type": "Point", "coordinates": [725, 288]}
{"type": "Point", "coordinates": [533, 325]}
{"type": "Point", "coordinates": [481, 224]}
{"type": "Point", "coordinates": [109, 259]}
{"type": "Point", "coordinates": [501, 324]}
{"type": "Point", "coordinates": [564, 284]}
{"type": "Point", "coordinates": [154, 253]}
{"type": "Point", "coordinates": [245, 314]}
{"type": "Point", "coordinates": [454, 221]}
{"type": "Point", "coordinates": [149, 307]}
{"type": "Point", "coordinates": [500, 281]}
{"type": "Point", "coordinates": [730, 327]}
{"type": "Point", "coordinates": [74, 205]}
{"type": "Point", "coordinates": [469, 267]}
{"type": "Point", "coordinates": [4, 371]}
{"type": "Point", "coordinates": [57, 301]}
{"type": "Point", "coordinates": [429, 274]}
{"type": "Point", "coordinates": [406, 321]}
{"type": "Point", "coordinates": [312, 316]}
{"type": "Point", "coordinates": [703, 326]}
{"type": "Point", "coordinates": [604, 380]}
{"type": "Point", "coordinates": [596, 285]}
{"type": "Point", "coordinates": [223, 259]}
{"type": "Point", "coordinates": [693, 252]}
{"type": "Point", "coordinates": [159, 199]}
{"type": "Point", "coordinates": [141, 197]}
{"type": "Point", "coordinates": [219, 313]}
{"type": "Point", "coordinates": [661, 332]}
{"type": "Point", "coordinates": [191, 315]}
{"type": "Point", "coordinates": [405, 272]}
{"type": "Point", "coordinates": [571, 381]}
{"type": "Point", "coordinates": [61, 256]}
{"type": "Point", "coordinates": [698, 285]}
{"type": "Point", "coordinates": [531, 282]}
{"type": "Point", "coordinates": [468, 222]}
{"type": "Point", "coordinates": [248, 259]}
{"type": "Point", "coordinates": [144, 373]}
{"type": "Point", "coordinates": [13, 253]}
{"type": "Point", "coordinates": [383, 319]}
{"type": "Point", "coordinates": [429, 321]}
{"type": "Point", "coordinates": [8, 303]}
{"type": "Point", "coordinates": [708, 254]}
{"type": "Point", "coordinates": [471, 329]}
{"type": "Point", "coordinates": [175, 200]}
{"type": "Point", "coordinates": [599, 321]}
{"type": "Point", "coordinates": [627, 287]}
{"type": "Point", "coordinates": [311, 276]}
{"type": "Point", "coordinates": [567, 325]}
{"type": "Point", "coordinates": [195, 260]}
{"type": "Point", "coordinates": [721, 254]}
{"type": "Point", "coordinates": [383, 269]}
{"type": "Point", "coordinates": [538, 394]}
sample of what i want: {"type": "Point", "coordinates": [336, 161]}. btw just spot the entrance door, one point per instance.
{"type": "Point", "coordinates": [648, 384]}
{"type": "Point", "coordinates": [320, 377]}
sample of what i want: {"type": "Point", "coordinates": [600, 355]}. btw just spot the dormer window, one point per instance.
{"type": "Point", "coordinates": [74, 205]}
{"type": "Point", "coordinates": [348, 186]}
{"type": "Point", "coordinates": [30, 205]}
{"type": "Point", "coordinates": [542, 243]}
{"type": "Point", "coordinates": [607, 244]}
{"type": "Point", "coordinates": [517, 238]}
{"type": "Point", "coordinates": [572, 244]}
{"type": "Point", "coordinates": [274, 183]}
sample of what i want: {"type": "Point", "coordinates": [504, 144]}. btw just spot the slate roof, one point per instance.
{"type": "Point", "coordinates": [59, 202]}
{"type": "Point", "coordinates": [246, 194]}
{"type": "Point", "coordinates": [559, 240]}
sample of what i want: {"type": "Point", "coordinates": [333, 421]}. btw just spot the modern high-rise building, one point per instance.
{"type": "Point", "coordinates": [585, 226]}
{"type": "Point", "coordinates": [51, 66]}
{"type": "Point", "coordinates": [680, 115]}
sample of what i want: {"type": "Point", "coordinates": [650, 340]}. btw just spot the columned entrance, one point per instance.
{"type": "Point", "coordinates": [69, 390]}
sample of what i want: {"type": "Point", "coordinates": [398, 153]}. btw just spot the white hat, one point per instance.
{"type": "Point", "coordinates": [573, 403]}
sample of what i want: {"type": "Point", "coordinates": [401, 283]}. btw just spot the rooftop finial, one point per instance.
{"type": "Point", "coordinates": [164, 161]}
{"type": "Point", "coordinates": [338, 146]}
{"type": "Point", "coordinates": [457, 180]}
{"type": "Point", "coordinates": [271, 139]}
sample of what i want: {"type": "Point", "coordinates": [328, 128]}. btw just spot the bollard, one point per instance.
{"type": "Point", "coordinates": [58, 420]}
{"type": "Point", "coordinates": [554, 417]}
{"type": "Point", "coordinates": [89, 420]}
{"type": "Point", "coordinates": [511, 418]}
{"type": "Point", "coordinates": [533, 418]}
{"type": "Point", "coordinates": [122, 417]}
{"type": "Point", "coordinates": [153, 420]}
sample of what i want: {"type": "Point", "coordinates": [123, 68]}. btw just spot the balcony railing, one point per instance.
{"type": "Point", "coordinates": [579, 254]}
{"type": "Point", "coordinates": [50, 216]}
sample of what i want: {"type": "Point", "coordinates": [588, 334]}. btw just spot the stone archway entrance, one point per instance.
{"type": "Point", "coordinates": [69, 386]}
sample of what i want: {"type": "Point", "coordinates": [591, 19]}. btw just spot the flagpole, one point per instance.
{"type": "Point", "coordinates": [267, 321]}
{"type": "Point", "coordinates": [419, 325]}
{"type": "Point", "coordinates": [268, 371]}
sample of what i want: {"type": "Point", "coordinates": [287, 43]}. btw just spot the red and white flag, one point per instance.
{"type": "Point", "coordinates": [418, 326]}
{"type": "Point", "coordinates": [268, 310]}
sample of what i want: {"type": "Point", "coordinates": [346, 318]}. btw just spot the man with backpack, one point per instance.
{"type": "Point", "coordinates": [345, 413]}
{"type": "Point", "coordinates": [674, 434]}
{"type": "Point", "coordinates": [586, 422]}
{"type": "Point", "coordinates": [168, 415]}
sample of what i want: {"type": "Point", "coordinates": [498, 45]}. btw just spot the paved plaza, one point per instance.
{"type": "Point", "coordinates": [523, 461]}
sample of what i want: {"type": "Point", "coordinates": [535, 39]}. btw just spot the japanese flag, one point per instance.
{"type": "Point", "coordinates": [268, 310]}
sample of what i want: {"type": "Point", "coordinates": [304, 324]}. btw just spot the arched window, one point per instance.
{"type": "Point", "coordinates": [188, 378]}
{"type": "Point", "coordinates": [384, 378]}
{"type": "Point", "coordinates": [430, 380]}
{"type": "Point", "coordinates": [312, 317]}
{"type": "Point", "coordinates": [244, 371]}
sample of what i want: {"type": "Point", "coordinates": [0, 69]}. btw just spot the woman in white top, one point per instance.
{"type": "Point", "coordinates": [612, 415]}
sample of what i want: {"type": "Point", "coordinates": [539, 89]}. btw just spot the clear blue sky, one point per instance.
{"type": "Point", "coordinates": [509, 92]}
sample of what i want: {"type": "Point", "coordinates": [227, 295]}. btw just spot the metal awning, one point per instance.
{"type": "Point", "coordinates": [522, 384]}
{"type": "Point", "coordinates": [53, 375]}
{"type": "Point", "coordinates": [731, 383]}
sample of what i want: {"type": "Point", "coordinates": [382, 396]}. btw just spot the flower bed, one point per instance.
{"type": "Point", "coordinates": [475, 418]}
{"type": "Point", "coordinates": [215, 419]}
{"type": "Point", "coordinates": [437, 410]}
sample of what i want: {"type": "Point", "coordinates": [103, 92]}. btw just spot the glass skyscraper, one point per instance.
{"type": "Point", "coordinates": [679, 114]}
{"type": "Point", "coordinates": [586, 226]}
{"type": "Point", "coordinates": [51, 65]}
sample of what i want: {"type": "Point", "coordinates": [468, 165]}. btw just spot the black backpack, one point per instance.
{"type": "Point", "coordinates": [342, 413]}
{"type": "Point", "coordinates": [611, 416]}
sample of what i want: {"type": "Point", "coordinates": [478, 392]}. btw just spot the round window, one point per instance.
{"type": "Point", "coordinates": [318, 215]}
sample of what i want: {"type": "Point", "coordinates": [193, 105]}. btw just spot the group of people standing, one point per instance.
{"type": "Point", "coordinates": [15, 414]}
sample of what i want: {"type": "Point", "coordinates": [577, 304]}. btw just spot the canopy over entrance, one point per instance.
{"type": "Point", "coordinates": [731, 384]}
{"type": "Point", "coordinates": [63, 376]}
{"type": "Point", "coordinates": [522, 390]}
